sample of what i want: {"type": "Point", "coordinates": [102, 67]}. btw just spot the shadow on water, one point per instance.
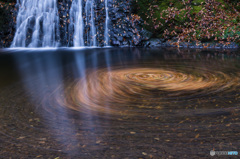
{"type": "Point", "coordinates": [119, 103]}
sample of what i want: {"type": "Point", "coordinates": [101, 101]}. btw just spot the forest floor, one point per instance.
{"type": "Point", "coordinates": [198, 22]}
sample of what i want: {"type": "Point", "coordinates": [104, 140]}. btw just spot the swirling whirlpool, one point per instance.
{"type": "Point", "coordinates": [168, 108]}
{"type": "Point", "coordinates": [134, 90]}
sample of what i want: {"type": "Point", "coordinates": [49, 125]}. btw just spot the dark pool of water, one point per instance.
{"type": "Point", "coordinates": [119, 103]}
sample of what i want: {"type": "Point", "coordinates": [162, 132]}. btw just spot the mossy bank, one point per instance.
{"type": "Point", "coordinates": [210, 22]}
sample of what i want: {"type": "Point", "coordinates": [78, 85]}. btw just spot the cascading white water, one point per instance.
{"type": "Point", "coordinates": [76, 16]}
{"type": "Point", "coordinates": [87, 7]}
{"type": "Point", "coordinates": [77, 21]}
{"type": "Point", "coordinates": [37, 24]}
{"type": "Point", "coordinates": [106, 36]}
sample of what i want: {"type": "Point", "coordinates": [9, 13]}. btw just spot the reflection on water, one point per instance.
{"type": "Point", "coordinates": [119, 103]}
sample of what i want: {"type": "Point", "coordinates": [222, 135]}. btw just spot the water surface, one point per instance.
{"type": "Point", "coordinates": [119, 103]}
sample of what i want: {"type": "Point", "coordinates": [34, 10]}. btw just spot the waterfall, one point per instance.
{"type": "Point", "coordinates": [89, 12]}
{"type": "Point", "coordinates": [77, 22]}
{"type": "Point", "coordinates": [83, 29]}
{"type": "Point", "coordinates": [106, 36]}
{"type": "Point", "coordinates": [37, 24]}
{"type": "Point", "coordinates": [83, 24]}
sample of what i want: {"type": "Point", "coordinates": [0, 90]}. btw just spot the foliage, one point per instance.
{"type": "Point", "coordinates": [192, 20]}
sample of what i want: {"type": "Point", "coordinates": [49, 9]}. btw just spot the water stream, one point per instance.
{"type": "Point", "coordinates": [38, 24]}
{"type": "Point", "coordinates": [76, 18]}
{"type": "Point", "coordinates": [106, 36]}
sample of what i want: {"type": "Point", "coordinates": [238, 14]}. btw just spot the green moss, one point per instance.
{"type": "Point", "coordinates": [197, 2]}
{"type": "Point", "coordinates": [164, 5]}
{"type": "Point", "coordinates": [196, 9]}
{"type": "Point", "coordinates": [229, 32]}
{"type": "Point", "coordinates": [221, 1]}
{"type": "Point", "coordinates": [182, 16]}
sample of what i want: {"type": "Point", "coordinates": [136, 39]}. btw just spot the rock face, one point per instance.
{"type": "Point", "coordinates": [154, 42]}
{"type": "Point", "coordinates": [64, 7]}
{"type": "Point", "coordinates": [8, 14]}
{"type": "Point", "coordinates": [123, 27]}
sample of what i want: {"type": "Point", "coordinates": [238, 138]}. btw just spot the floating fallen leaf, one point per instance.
{"type": "Point", "coordinates": [197, 136]}
{"type": "Point", "coordinates": [181, 122]}
{"type": "Point", "coordinates": [98, 141]}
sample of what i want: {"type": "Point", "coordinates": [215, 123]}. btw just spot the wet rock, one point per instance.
{"type": "Point", "coordinates": [154, 42]}
{"type": "Point", "coordinates": [183, 44]}
{"type": "Point", "coordinates": [116, 43]}
{"type": "Point", "coordinates": [146, 35]}
{"type": "Point", "coordinates": [125, 43]}
{"type": "Point", "coordinates": [120, 38]}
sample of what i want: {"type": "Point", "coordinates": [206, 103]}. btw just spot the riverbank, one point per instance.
{"type": "Point", "coordinates": [170, 43]}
